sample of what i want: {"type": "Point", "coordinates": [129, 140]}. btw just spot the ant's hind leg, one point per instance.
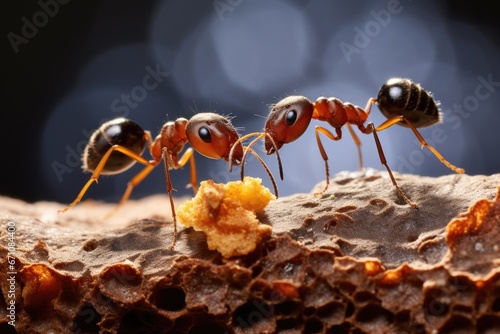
{"type": "Point", "coordinates": [371, 129]}
{"type": "Point", "coordinates": [130, 186]}
{"type": "Point", "coordinates": [98, 170]}
{"type": "Point", "coordinates": [433, 150]}
{"type": "Point", "coordinates": [391, 121]}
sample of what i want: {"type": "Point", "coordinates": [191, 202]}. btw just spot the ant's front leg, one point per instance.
{"type": "Point", "coordinates": [176, 163]}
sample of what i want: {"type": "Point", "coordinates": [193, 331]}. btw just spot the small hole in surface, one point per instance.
{"type": "Point", "coordinates": [310, 204]}
{"type": "Point", "coordinates": [286, 307]}
{"type": "Point", "coordinates": [349, 309]}
{"type": "Point", "coordinates": [251, 313]}
{"type": "Point", "coordinates": [364, 296]}
{"type": "Point", "coordinates": [308, 311]}
{"type": "Point", "coordinates": [256, 271]}
{"type": "Point", "coordinates": [378, 202]}
{"type": "Point", "coordinates": [287, 323]}
{"type": "Point", "coordinates": [488, 324]}
{"type": "Point", "coordinates": [142, 321]}
{"type": "Point", "coordinates": [435, 308]}
{"type": "Point", "coordinates": [344, 328]}
{"type": "Point", "coordinates": [90, 245]}
{"type": "Point", "coordinates": [169, 298]}
{"type": "Point", "coordinates": [373, 313]}
{"type": "Point", "coordinates": [86, 320]}
{"type": "Point", "coordinates": [313, 325]}
{"type": "Point", "coordinates": [5, 328]}
{"type": "Point", "coordinates": [457, 324]}
{"type": "Point", "coordinates": [207, 327]}
{"type": "Point", "coordinates": [130, 322]}
{"type": "Point", "coordinates": [496, 305]}
{"type": "Point", "coordinates": [346, 208]}
{"type": "Point", "coordinates": [331, 309]}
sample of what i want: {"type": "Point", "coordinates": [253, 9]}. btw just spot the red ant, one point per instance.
{"type": "Point", "coordinates": [402, 101]}
{"type": "Point", "coordinates": [118, 144]}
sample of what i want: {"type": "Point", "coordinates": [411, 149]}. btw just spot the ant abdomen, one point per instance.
{"type": "Point", "coordinates": [403, 97]}
{"type": "Point", "coordinates": [119, 131]}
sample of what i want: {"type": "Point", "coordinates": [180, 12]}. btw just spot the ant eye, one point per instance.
{"type": "Point", "coordinates": [205, 135]}
{"type": "Point", "coordinates": [291, 117]}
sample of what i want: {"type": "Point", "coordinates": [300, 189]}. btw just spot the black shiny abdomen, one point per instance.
{"type": "Point", "coordinates": [403, 97]}
{"type": "Point", "coordinates": [119, 131]}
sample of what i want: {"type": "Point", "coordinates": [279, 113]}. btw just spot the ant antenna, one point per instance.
{"type": "Point", "coordinates": [249, 149]}
{"type": "Point", "coordinates": [261, 116]}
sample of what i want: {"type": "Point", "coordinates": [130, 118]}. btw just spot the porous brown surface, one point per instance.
{"type": "Point", "coordinates": [355, 260]}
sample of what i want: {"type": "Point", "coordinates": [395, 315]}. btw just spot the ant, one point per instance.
{"type": "Point", "coordinates": [119, 143]}
{"type": "Point", "coordinates": [402, 101]}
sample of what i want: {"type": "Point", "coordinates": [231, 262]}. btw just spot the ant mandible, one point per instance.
{"type": "Point", "coordinates": [402, 101]}
{"type": "Point", "coordinates": [118, 144]}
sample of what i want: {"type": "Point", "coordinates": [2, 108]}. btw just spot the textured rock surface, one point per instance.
{"type": "Point", "coordinates": [356, 260]}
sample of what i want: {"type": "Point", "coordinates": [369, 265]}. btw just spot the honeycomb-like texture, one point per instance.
{"type": "Point", "coordinates": [325, 274]}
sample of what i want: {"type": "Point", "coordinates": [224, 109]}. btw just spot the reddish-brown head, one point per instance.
{"type": "Point", "coordinates": [287, 121]}
{"type": "Point", "coordinates": [213, 136]}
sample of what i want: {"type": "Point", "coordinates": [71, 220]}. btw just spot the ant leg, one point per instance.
{"type": "Point", "coordinates": [131, 154]}
{"type": "Point", "coordinates": [138, 178]}
{"type": "Point", "coordinates": [188, 156]}
{"type": "Point", "coordinates": [166, 165]}
{"type": "Point", "coordinates": [130, 186]}
{"type": "Point", "coordinates": [367, 110]}
{"type": "Point", "coordinates": [369, 104]}
{"type": "Point", "coordinates": [327, 133]}
{"type": "Point", "coordinates": [358, 144]}
{"type": "Point", "coordinates": [148, 139]}
{"type": "Point", "coordinates": [371, 129]}
{"type": "Point", "coordinates": [422, 141]}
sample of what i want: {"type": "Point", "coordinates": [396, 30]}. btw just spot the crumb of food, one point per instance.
{"type": "Point", "coordinates": [226, 213]}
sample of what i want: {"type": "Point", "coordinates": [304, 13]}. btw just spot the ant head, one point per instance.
{"type": "Point", "coordinates": [287, 121]}
{"type": "Point", "coordinates": [213, 136]}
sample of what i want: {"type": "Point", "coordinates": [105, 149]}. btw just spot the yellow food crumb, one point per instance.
{"type": "Point", "coordinates": [226, 213]}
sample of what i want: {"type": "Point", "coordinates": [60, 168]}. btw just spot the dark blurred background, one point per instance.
{"type": "Point", "coordinates": [70, 65]}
